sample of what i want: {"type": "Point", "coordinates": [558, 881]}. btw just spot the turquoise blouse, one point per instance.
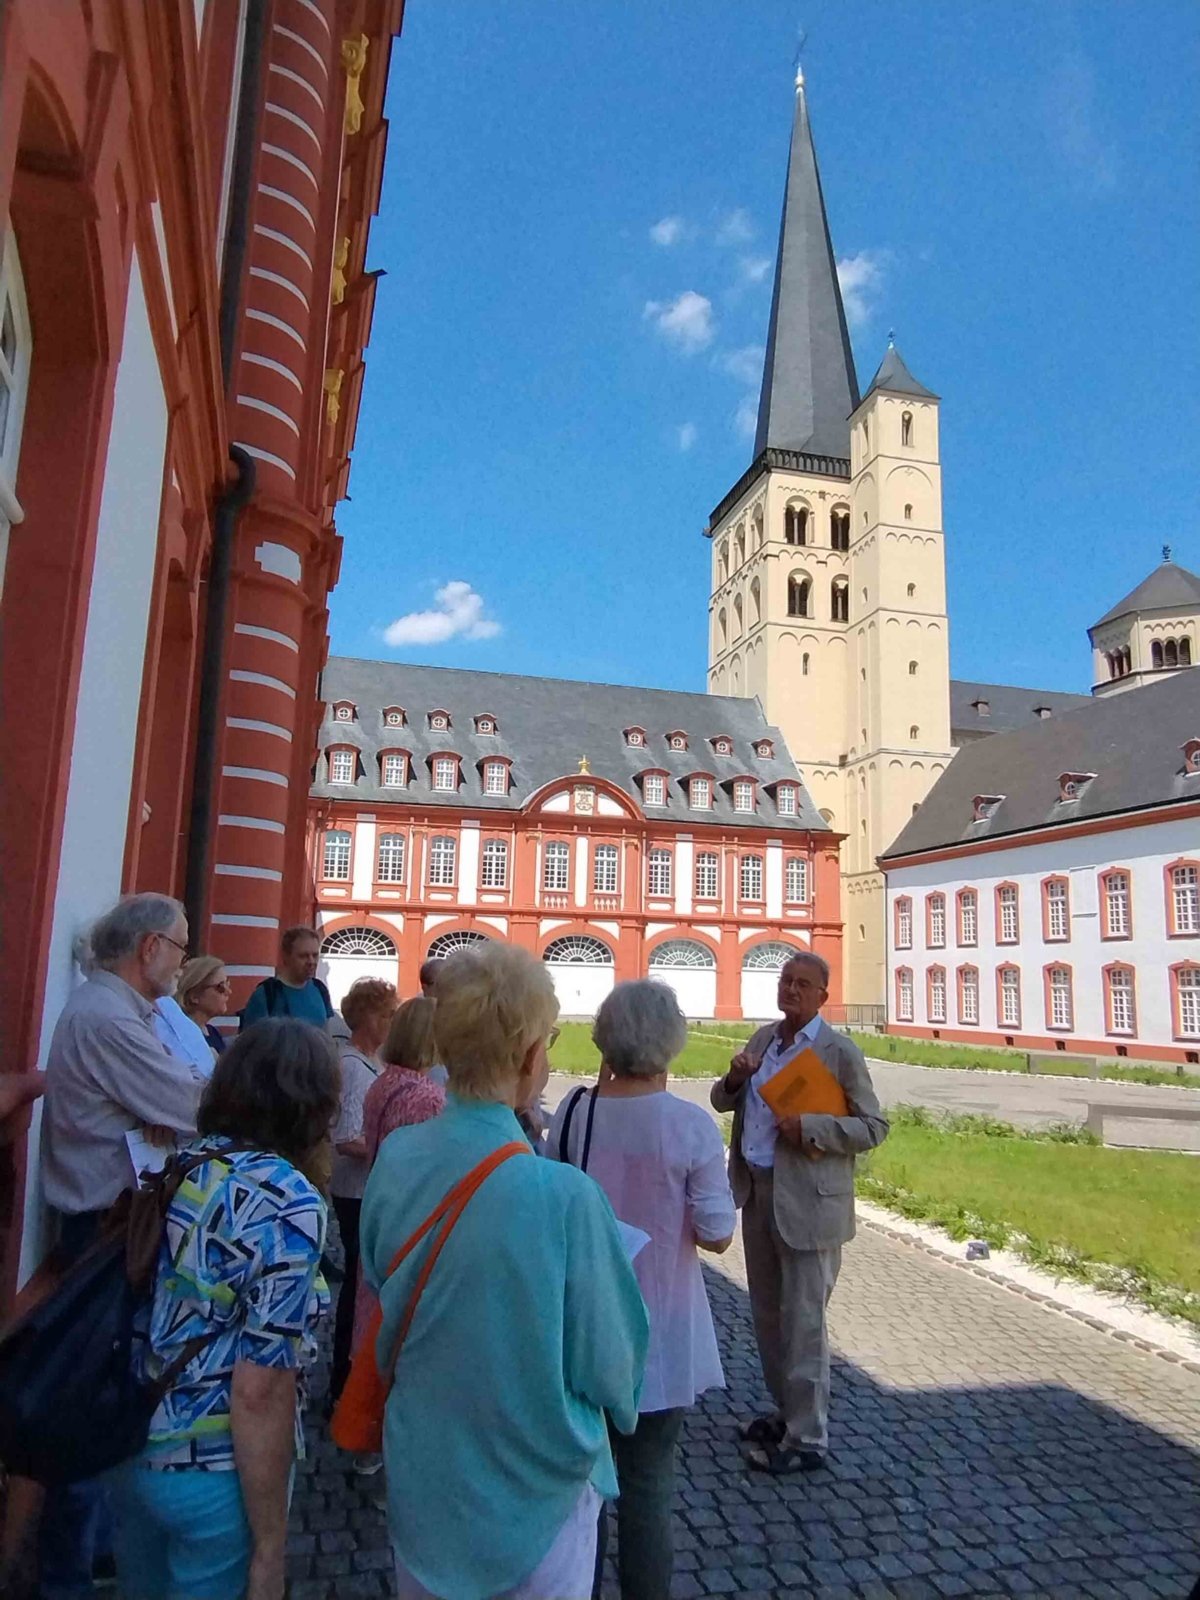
{"type": "Point", "coordinates": [531, 1327]}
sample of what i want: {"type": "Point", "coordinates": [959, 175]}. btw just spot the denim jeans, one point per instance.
{"type": "Point", "coordinates": [76, 1524]}
{"type": "Point", "coordinates": [179, 1535]}
{"type": "Point", "coordinates": [645, 1461]}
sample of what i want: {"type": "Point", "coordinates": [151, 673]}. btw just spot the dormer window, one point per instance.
{"type": "Point", "coordinates": [981, 708]}
{"type": "Point", "coordinates": [343, 711]}
{"type": "Point", "coordinates": [700, 793]}
{"type": "Point", "coordinates": [1072, 784]}
{"type": "Point", "coordinates": [764, 749]}
{"type": "Point", "coordinates": [654, 789]}
{"type": "Point", "coordinates": [439, 721]}
{"type": "Point", "coordinates": [785, 799]}
{"type": "Point", "coordinates": [1191, 758]}
{"type": "Point", "coordinates": [677, 740]}
{"type": "Point", "coordinates": [986, 805]}
{"type": "Point", "coordinates": [445, 773]}
{"type": "Point", "coordinates": [343, 766]}
{"type": "Point", "coordinates": [636, 737]}
{"type": "Point", "coordinates": [495, 777]}
{"type": "Point", "coordinates": [722, 745]}
{"type": "Point", "coordinates": [743, 794]}
{"type": "Point", "coordinates": [394, 769]}
{"type": "Point", "coordinates": [485, 724]}
{"type": "Point", "coordinates": [393, 717]}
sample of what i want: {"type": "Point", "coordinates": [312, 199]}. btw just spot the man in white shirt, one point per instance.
{"type": "Point", "coordinates": [793, 1178]}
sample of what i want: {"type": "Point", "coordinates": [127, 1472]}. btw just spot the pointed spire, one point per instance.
{"type": "Point", "coordinates": [809, 386]}
{"type": "Point", "coordinates": [894, 376]}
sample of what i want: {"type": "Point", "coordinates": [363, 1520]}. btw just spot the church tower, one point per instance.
{"type": "Point", "coordinates": [828, 569]}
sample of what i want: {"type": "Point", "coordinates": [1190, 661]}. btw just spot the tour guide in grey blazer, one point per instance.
{"type": "Point", "coordinates": [793, 1179]}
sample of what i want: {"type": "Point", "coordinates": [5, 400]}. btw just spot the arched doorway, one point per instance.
{"type": "Point", "coordinates": [447, 943]}
{"type": "Point", "coordinates": [353, 953]}
{"type": "Point", "coordinates": [690, 969]}
{"type": "Point", "coordinates": [583, 970]}
{"type": "Point", "coordinates": [761, 966]}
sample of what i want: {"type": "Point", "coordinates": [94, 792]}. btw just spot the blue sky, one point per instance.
{"type": "Point", "coordinates": [547, 424]}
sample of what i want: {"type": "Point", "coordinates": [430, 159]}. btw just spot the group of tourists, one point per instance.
{"type": "Point", "coordinates": [523, 1306]}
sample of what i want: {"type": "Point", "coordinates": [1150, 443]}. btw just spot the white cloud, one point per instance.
{"type": "Point", "coordinates": [861, 279]}
{"type": "Point", "coordinates": [458, 615]}
{"type": "Point", "coordinates": [686, 321]}
{"type": "Point", "coordinates": [737, 227]}
{"type": "Point", "coordinates": [1075, 115]}
{"type": "Point", "coordinates": [745, 418]}
{"type": "Point", "coordinates": [745, 364]}
{"type": "Point", "coordinates": [754, 269]}
{"type": "Point", "coordinates": [668, 231]}
{"type": "Point", "coordinates": [686, 435]}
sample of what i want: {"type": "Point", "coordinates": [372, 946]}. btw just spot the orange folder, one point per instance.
{"type": "Point", "coordinates": [804, 1087]}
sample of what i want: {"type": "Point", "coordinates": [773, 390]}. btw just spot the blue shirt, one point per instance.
{"type": "Point", "coordinates": [530, 1328]}
{"type": "Point", "coordinates": [306, 1003]}
{"type": "Point", "coordinates": [760, 1130]}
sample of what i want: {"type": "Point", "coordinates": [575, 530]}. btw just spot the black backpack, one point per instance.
{"type": "Point", "coordinates": [71, 1405]}
{"type": "Point", "coordinates": [272, 989]}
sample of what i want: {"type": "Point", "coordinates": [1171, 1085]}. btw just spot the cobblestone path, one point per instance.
{"type": "Point", "coordinates": [982, 1445]}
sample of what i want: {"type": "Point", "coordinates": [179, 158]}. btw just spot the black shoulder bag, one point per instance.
{"type": "Point", "coordinates": [564, 1133]}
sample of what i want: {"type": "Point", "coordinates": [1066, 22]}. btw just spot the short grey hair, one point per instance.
{"type": "Point", "coordinates": [810, 958]}
{"type": "Point", "coordinates": [639, 1029]}
{"type": "Point", "coordinates": [119, 932]}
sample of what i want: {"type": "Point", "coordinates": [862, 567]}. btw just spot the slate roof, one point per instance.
{"type": "Point", "coordinates": [809, 385]}
{"type": "Point", "coordinates": [1131, 741]}
{"type": "Point", "coordinates": [1009, 708]}
{"type": "Point", "coordinates": [544, 725]}
{"type": "Point", "coordinates": [894, 376]}
{"type": "Point", "coordinates": [1169, 587]}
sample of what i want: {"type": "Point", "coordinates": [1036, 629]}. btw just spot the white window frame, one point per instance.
{"type": "Point", "coordinates": [606, 864]}
{"type": "Point", "coordinates": [1187, 1001]}
{"type": "Point", "coordinates": [493, 868]}
{"type": "Point", "coordinates": [904, 994]}
{"type": "Point", "coordinates": [796, 881]}
{"type": "Point", "coordinates": [936, 913]}
{"type": "Point", "coordinates": [708, 871]}
{"type": "Point", "coordinates": [936, 991]}
{"type": "Point", "coordinates": [700, 794]}
{"type": "Point", "coordinates": [968, 918]}
{"type": "Point", "coordinates": [904, 923]}
{"type": "Point", "coordinates": [659, 875]}
{"type": "Point", "coordinates": [1010, 1015]}
{"type": "Point", "coordinates": [1058, 913]}
{"type": "Point", "coordinates": [495, 778]}
{"type": "Point", "coordinates": [445, 767]}
{"type": "Point", "coordinates": [1061, 1000]}
{"type": "Point", "coordinates": [1116, 888]}
{"type": "Point", "coordinates": [968, 996]}
{"type": "Point", "coordinates": [337, 766]}
{"type": "Point", "coordinates": [395, 769]}
{"type": "Point", "coordinates": [1008, 902]}
{"type": "Point", "coordinates": [556, 867]}
{"type": "Point", "coordinates": [389, 858]}
{"type": "Point", "coordinates": [335, 855]}
{"type": "Point", "coordinates": [443, 861]}
{"type": "Point", "coordinates": [1121, 984]}
{"type": "Point", "coordinates": [785, 799]}
{"type": "Point", "coordinates": [750, 879]}
{"type": "Point", "coordinates": [743, 795]}
{"type": "Point", "coordinates": [1185, 899]}
{"type": "Point", "coordinates": [654, 789]}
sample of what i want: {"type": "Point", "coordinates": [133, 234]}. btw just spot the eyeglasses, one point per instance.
{"type": "Point", "coordinates": [224, 986]}
{"type": "Point", "coordinates": [552, 1040]}
{"type": "Point", "coordinates": [182, 948]}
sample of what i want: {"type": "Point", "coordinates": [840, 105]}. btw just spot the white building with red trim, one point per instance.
{"type": "Point", "coordinates": [615, 832]}
{"type": "Point", "coordinates": [1046, 894]}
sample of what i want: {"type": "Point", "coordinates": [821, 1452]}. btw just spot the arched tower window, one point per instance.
{"type": "Point", "coordinates": [1185, 652]}
{"type": "Point", "coordinates": [804, 664]}
{"type": "Point", "coordinates": [722, 629]}
{"type": "Point", "coordinates": [839, 600]}
{"type": "Point", "coordinates": [912, 591]}
{"type": "Point", "coordinates": [799, 593]}
{"type": "Point", "coordinates": [739, 546]}
{"type": "Point", "coordinates": [914, 733]}
{"type": "Point", "coordinates": [908, 513]}
{"type": "Point", "coordinates": [755, 603]}
{"type": "Point", "coordinates": [906, 428]}
{"type": "Point", "coordinates": [912, 669]}
{"type": "Point", "coordinates": [757, 523]}
{"type": "Point", "coordinates": [737, 616]}
{"type": "Point", "coordinates": [839, 528]}
{"type": "Point", "coordinates": [1170, 654]}
{"type": "Point", "coordinates": [795, 525]}
{"type": "Point", "coordinates": [1156, 654]}
{"type": "Point", "coordinates": [723, 561]}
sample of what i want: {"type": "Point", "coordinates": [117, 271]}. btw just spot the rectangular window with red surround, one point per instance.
{"type": "Point", "coordinates": [1116, 904]}
{"type": "Point", "coordinates": [389, 865]}
{"type": "Point", "coordinates": [935, 994]}
{"type": "Point", "coordinates": [1008, 914]}
{"type": "Point", "coordinates": [904, 922]}
{"type": "Point", "coordinates": [443, 861]}
{"type": "Point", "coordinates": [752, 878]}
{"type": "Point", "coordinates": [1183, 899]}
{"type": "Point", "coordinates": [968, 996]}
{"type": "Point", "coordinates": [1120, 999]}
{"type": "Point", "coordinates": [1185, 999]}
{"type": "Point", "coordinates": [1008, 996]}
{"type": "Point", "coordinates": [935, 921]}
{"type": "Point", "coordinates": [904, 994]}
{"type": "Point", "coordinates": [967, 903]}
{"type": "Point", "coordinates": [1056, 910]}
{"type": "Point", "coordinates": [335, 864]}
{"type": "Point", "coordinates": [658, 873]}
{"type": "Point", "coordinates": [796, 880]}
{"type": "Point", "coordinates": [493, 872]}
{"type": "Point", "coordinates": [1060, 998]}
{"type": "Point", "coordinates": [556, 866]}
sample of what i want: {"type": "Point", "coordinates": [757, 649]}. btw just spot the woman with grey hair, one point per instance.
{"type": "Point", "coordinates": [661, 1162]}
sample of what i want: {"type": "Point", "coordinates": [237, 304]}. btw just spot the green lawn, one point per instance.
{"type": "Point", "coordinates": [1125, 1219]}
{"type": "Point", "coordinates": [574, 1052]}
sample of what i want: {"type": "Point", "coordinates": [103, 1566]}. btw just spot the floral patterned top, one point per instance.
{"type": "Point", "coordinates": [240, 1262]}
{"type": "Point", "coordinates": [398, 1098]}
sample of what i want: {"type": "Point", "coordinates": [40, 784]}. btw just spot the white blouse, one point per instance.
{"type": "Point", "coordinates": [661, 1162]}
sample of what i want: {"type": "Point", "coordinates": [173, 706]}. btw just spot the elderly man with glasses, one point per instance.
{"type": "Point", "coordinates": [793, 1178]}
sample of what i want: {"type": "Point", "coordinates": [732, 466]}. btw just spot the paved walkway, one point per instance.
{"type": "Point", "coordinates": [982, 1445]}
{"type": "Point", "coordinates": [1028, 1100]}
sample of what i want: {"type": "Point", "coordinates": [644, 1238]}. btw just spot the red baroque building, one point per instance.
{"type": "Point", "coordinates": [616, 832]}
{"type": "Point", "coordinates": [186, 188]}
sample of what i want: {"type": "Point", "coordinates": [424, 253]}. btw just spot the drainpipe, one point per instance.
{"type": "Point", "coordinates": [201, 828]}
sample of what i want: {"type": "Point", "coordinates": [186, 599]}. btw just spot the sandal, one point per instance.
{"type": "Point", "coordinates": [763, 1430]}
{"type": "Point", "coordinates": [781, 1459]}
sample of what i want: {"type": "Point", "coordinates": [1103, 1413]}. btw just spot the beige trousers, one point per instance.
{"type": "Point", "coordinates": [789, 1291]}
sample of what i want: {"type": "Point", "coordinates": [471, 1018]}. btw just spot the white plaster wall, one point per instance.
{"type": "Point", "coordinates": [468, 863]}
{"type": "Point", "coordinates": [773, 881]}
{"type": "Point", "coordinates": [581, 870]}
{"type": "Point", "coordinates": [1144, 851]}
{"type": "Point", "coordinates": [363, 882]}
{"type": "Point", "coordinates": [685, 856]}
{"type": "Point", "coordinates": [110, 686]}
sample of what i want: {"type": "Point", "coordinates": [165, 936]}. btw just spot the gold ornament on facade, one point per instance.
{"type": "Point", "coordinates": [332, 385]}
{"type": "Point", "coordinates": [583, 765]}
{"type": "Point", "coordinates": [341, 256]}
{"type": "Point", "coordinates": [354, 60]}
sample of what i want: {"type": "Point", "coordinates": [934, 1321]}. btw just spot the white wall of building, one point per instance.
{"type": "Point", "coordinates": [1145, 851]}
{"type": "Point", "coordinates": [110, 684]}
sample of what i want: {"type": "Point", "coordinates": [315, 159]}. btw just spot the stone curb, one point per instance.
{"type": "Point", "coordinates": [1040, 1297]}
